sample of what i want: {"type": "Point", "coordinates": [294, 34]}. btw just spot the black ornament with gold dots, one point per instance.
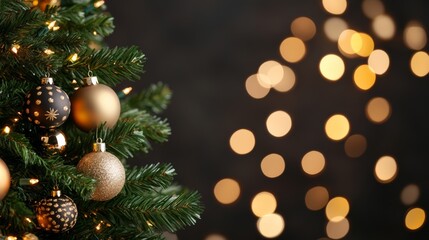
{"type": "Point", "coordinates": [56, 213]}
{"type": "Point", "coordinates": [47, 105]}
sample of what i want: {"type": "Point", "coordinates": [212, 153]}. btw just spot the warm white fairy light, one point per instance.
{"type": "Point", "coordinates": [99, 3]}
{"type": "Point", "coordinates": [127, 90]}
{"type": "Point", "coordinates": [15, 48]}
{"type": "Point", "coordinates": [48, 51]}
{"type": "Point", "coordinates": [6, 130]}
{"type": "Point", "coordinates": [73, 58]}
{"type": "Point", "coordinates": [34, 181]}
{"type": "Point", "coordinates": [52, 25]}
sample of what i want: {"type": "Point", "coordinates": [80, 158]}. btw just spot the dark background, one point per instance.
{"type": "Point", "coordinates": [205, 50]}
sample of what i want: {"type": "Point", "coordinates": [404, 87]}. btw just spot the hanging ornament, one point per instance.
{"type": "Point", "coordinates": [47, 105]}
{"type": "Point", "coordinates": [57, 213]}
{"type": "Point", "coordinates": [95, 104]}
{"type": "Point", "coordinates": [4, 179]}
{"type": "Point", "coordinates": [106, 169]}
{"type": "Point", "coordinates": [53, 142]}
{"type": "Point", "coordinates": [30, 236]}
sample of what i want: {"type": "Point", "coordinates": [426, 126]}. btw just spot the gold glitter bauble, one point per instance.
{"type": "Point", "coordinates": [95, 104]}
{"type": "Point", "coordinates": [57, 213]}
{"type": "Point", "coordinates": [106, 169]}
{"type": "Point", "coordinates": [47, 105]}
{"type": "Point", "coordinates": [4, 179]}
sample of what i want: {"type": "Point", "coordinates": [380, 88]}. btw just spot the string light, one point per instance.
{"type": "Point", "coordinates": [127, 90]}
{"type": "Point", "coordinates": [73, 58]}
{"type": "Point", "coordinates": [7, 130]}
{"type": "Point", "coordinates": [99, 3]}
{"type": "Point", "coordinates": [15, 48]}
{"type": "Point", "coordinates": [52, 25]}
{"type": "Point", "coordinates": [28, 181]}
{"type": "Point", "coordinates": [48, 51]}
{"type": "Point", "coordinates": [11, 238]}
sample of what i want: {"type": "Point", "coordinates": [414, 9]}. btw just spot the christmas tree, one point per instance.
{"type": "Point", "coordinates": [66, 134]}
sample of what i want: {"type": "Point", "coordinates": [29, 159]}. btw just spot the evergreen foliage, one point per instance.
{"type": "Point", "coordinates": [66, 42]}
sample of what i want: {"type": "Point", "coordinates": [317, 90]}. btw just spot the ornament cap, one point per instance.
{"type": "Point", "coordinates": [90, 81]}
{"type": "Point", "coordinates": [99, 146]}
{"type": "Point", "coordinates": [56, 192]}
{"type": "Point", "coordinates": [47, 81]}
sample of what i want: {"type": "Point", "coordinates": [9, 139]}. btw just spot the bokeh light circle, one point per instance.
{"type": "Point", "coordinates": [335, 7]}
{"type": "Point", "coordinates": [292, 49]}
{"type": "Point", "coordinates": [279, 123]}
{"type": "Point", "coordinates": [263, 203]}
{"type": "Point", "coordinates": [378, 110]}
{"type": "Point", "coordinates": [337, 127]}
{"type": "Point", "coordinates": [313, 162]}
{"type": "Point", "coordinates": [273, 165]}
{"type": "Point", "coordinates": [337, 209]}
{"type": "Point", "coordinates": [227, 191]}
{"type": "Point", "coordinates": [337, 229]}
{"type": "Point", "coordinates": [332, 67]}
{"type": "Point", "coordinates": [363, 77]}
{"type": "Point", "coordinates": [303, 28]}
{"type": "Point", "coordinates": [379, 61]}
{"type": "Point", "coordinates": [410, 194]}
{"type": "Point", "coordinates": [355, 145]}
{"type": "Point", "coordinates": [385, 169]}
{"type": "Point", "coordinates": [316, 198]}
{"type": "Point", "coordinates": [242, 141]}
{"type": "Point", "coordinates": [271, 225]}
{"type": "Point", "coordinates": [415, 218]}
{"type": "Point", "coordinates": [333, 27]}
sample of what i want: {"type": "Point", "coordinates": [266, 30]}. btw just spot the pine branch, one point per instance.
{"type": "Point", "coordinates": [15, 214]}
{"type": "Point", "coordinates": [148, 213]}
{"type": "Point", "coordinates": [66, 175]}
{"type": "Point", "coordinates": [153, 99]}
{"type": "Point", "coordinates": [153, 127]}
{"type": "Point", "coordinates": [110, 65]}
{"type": "Point", "coordinates": [11, 97]}
{"type": "Point", "coordinates": [148, 178]}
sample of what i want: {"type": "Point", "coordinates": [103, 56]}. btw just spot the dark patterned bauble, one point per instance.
{"type": "Point", "coordinates": [53, 142]}
{"type": "Point", "coordinates": [95, 104]}
{"type": "Point", "coordinates": [47, 105]}
{"type": "Point", "coordinates": [4, 179]}
{"type": "Point", "coordinates": [57, 213]}
{"type": "Point", "coordinates": [106, 169]}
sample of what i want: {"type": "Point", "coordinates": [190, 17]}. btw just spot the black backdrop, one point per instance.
{"type": "Point", "coordinates": [205, 49]}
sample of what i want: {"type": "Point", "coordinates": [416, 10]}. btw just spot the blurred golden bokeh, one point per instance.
{"type": "Point", "coordinates": [337, 229]}
{"type": "Point", "coordinates": [263, 203]}
{"type": "Point", "coordinates": [355, 145]}
{"type": "Point", "coordinates": [303, 28]}
{"type": "Point", "coordinates": [384, 27]}
{"type": "Point", "coordinates": [386, 169]}
{"type": "Point", "coordinates": [316, 198]}
{"type": "Point", "coordinates": [333, 27]}
{"type": "Point", "coordinates": [227, 191]}
{"type": "Point", "coordinates": [254, 89]}
{"type": "Point", "coordinates": [242, 141]}
{"type": "Point", "coordinates": [279, 123]}
{"type": "Point", "coordinates": [410, 194]}
{"type": "Point", "coordinates": [313, 162]}
{"type": "Point", "coordinates": [215, 236]}
{"type": "Point", "coordinates": [337, 209]}
{"type": "Point", "coordinates": [362, 44]}
{"type": "Point", "coordinates": [378, 110]}
{"type": "Point", "coordinates": [372, 8]}
{"type": "Point", "coordinates": [292, 49]}
{"type": "Point", "coordinates": [420, 63]}
{"type": "Point", "coordinates": [415, 218]}
{"type": "Point", "coordinates": [335, 7]}
{"type": "Point", "coordinates": [345, 42]}
{"type": "Point", "coordinates": [273, 165]}
{"type": "Point", "coordinates": [337, 127]}
{"type": "Point", "coordinates": [363, 77]}
{"type": "Point", "coordinates": [332, 67]}
{"type": "Point", "coordinates": [270, 73]}
{"type": "Point", "coordinates": [379, 61]}
{"type": "Point", "coordinates": [271, 225]}
{"type": "Point", "coordinates": [415, 36]}
{"type": "Point", "coordinates": [287, 82]}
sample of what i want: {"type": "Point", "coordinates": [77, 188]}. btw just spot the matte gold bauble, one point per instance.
{"type": "Point", "coordinates": [4, 179]}
{"type": "Point", "coordinates": [53, 142]}
{"type": "Point", "coordinates": [57, 213]}
{"type": "Point", "coordinates": [95, 104]}
{"type": "Point", "coordinates": [106, 169]}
